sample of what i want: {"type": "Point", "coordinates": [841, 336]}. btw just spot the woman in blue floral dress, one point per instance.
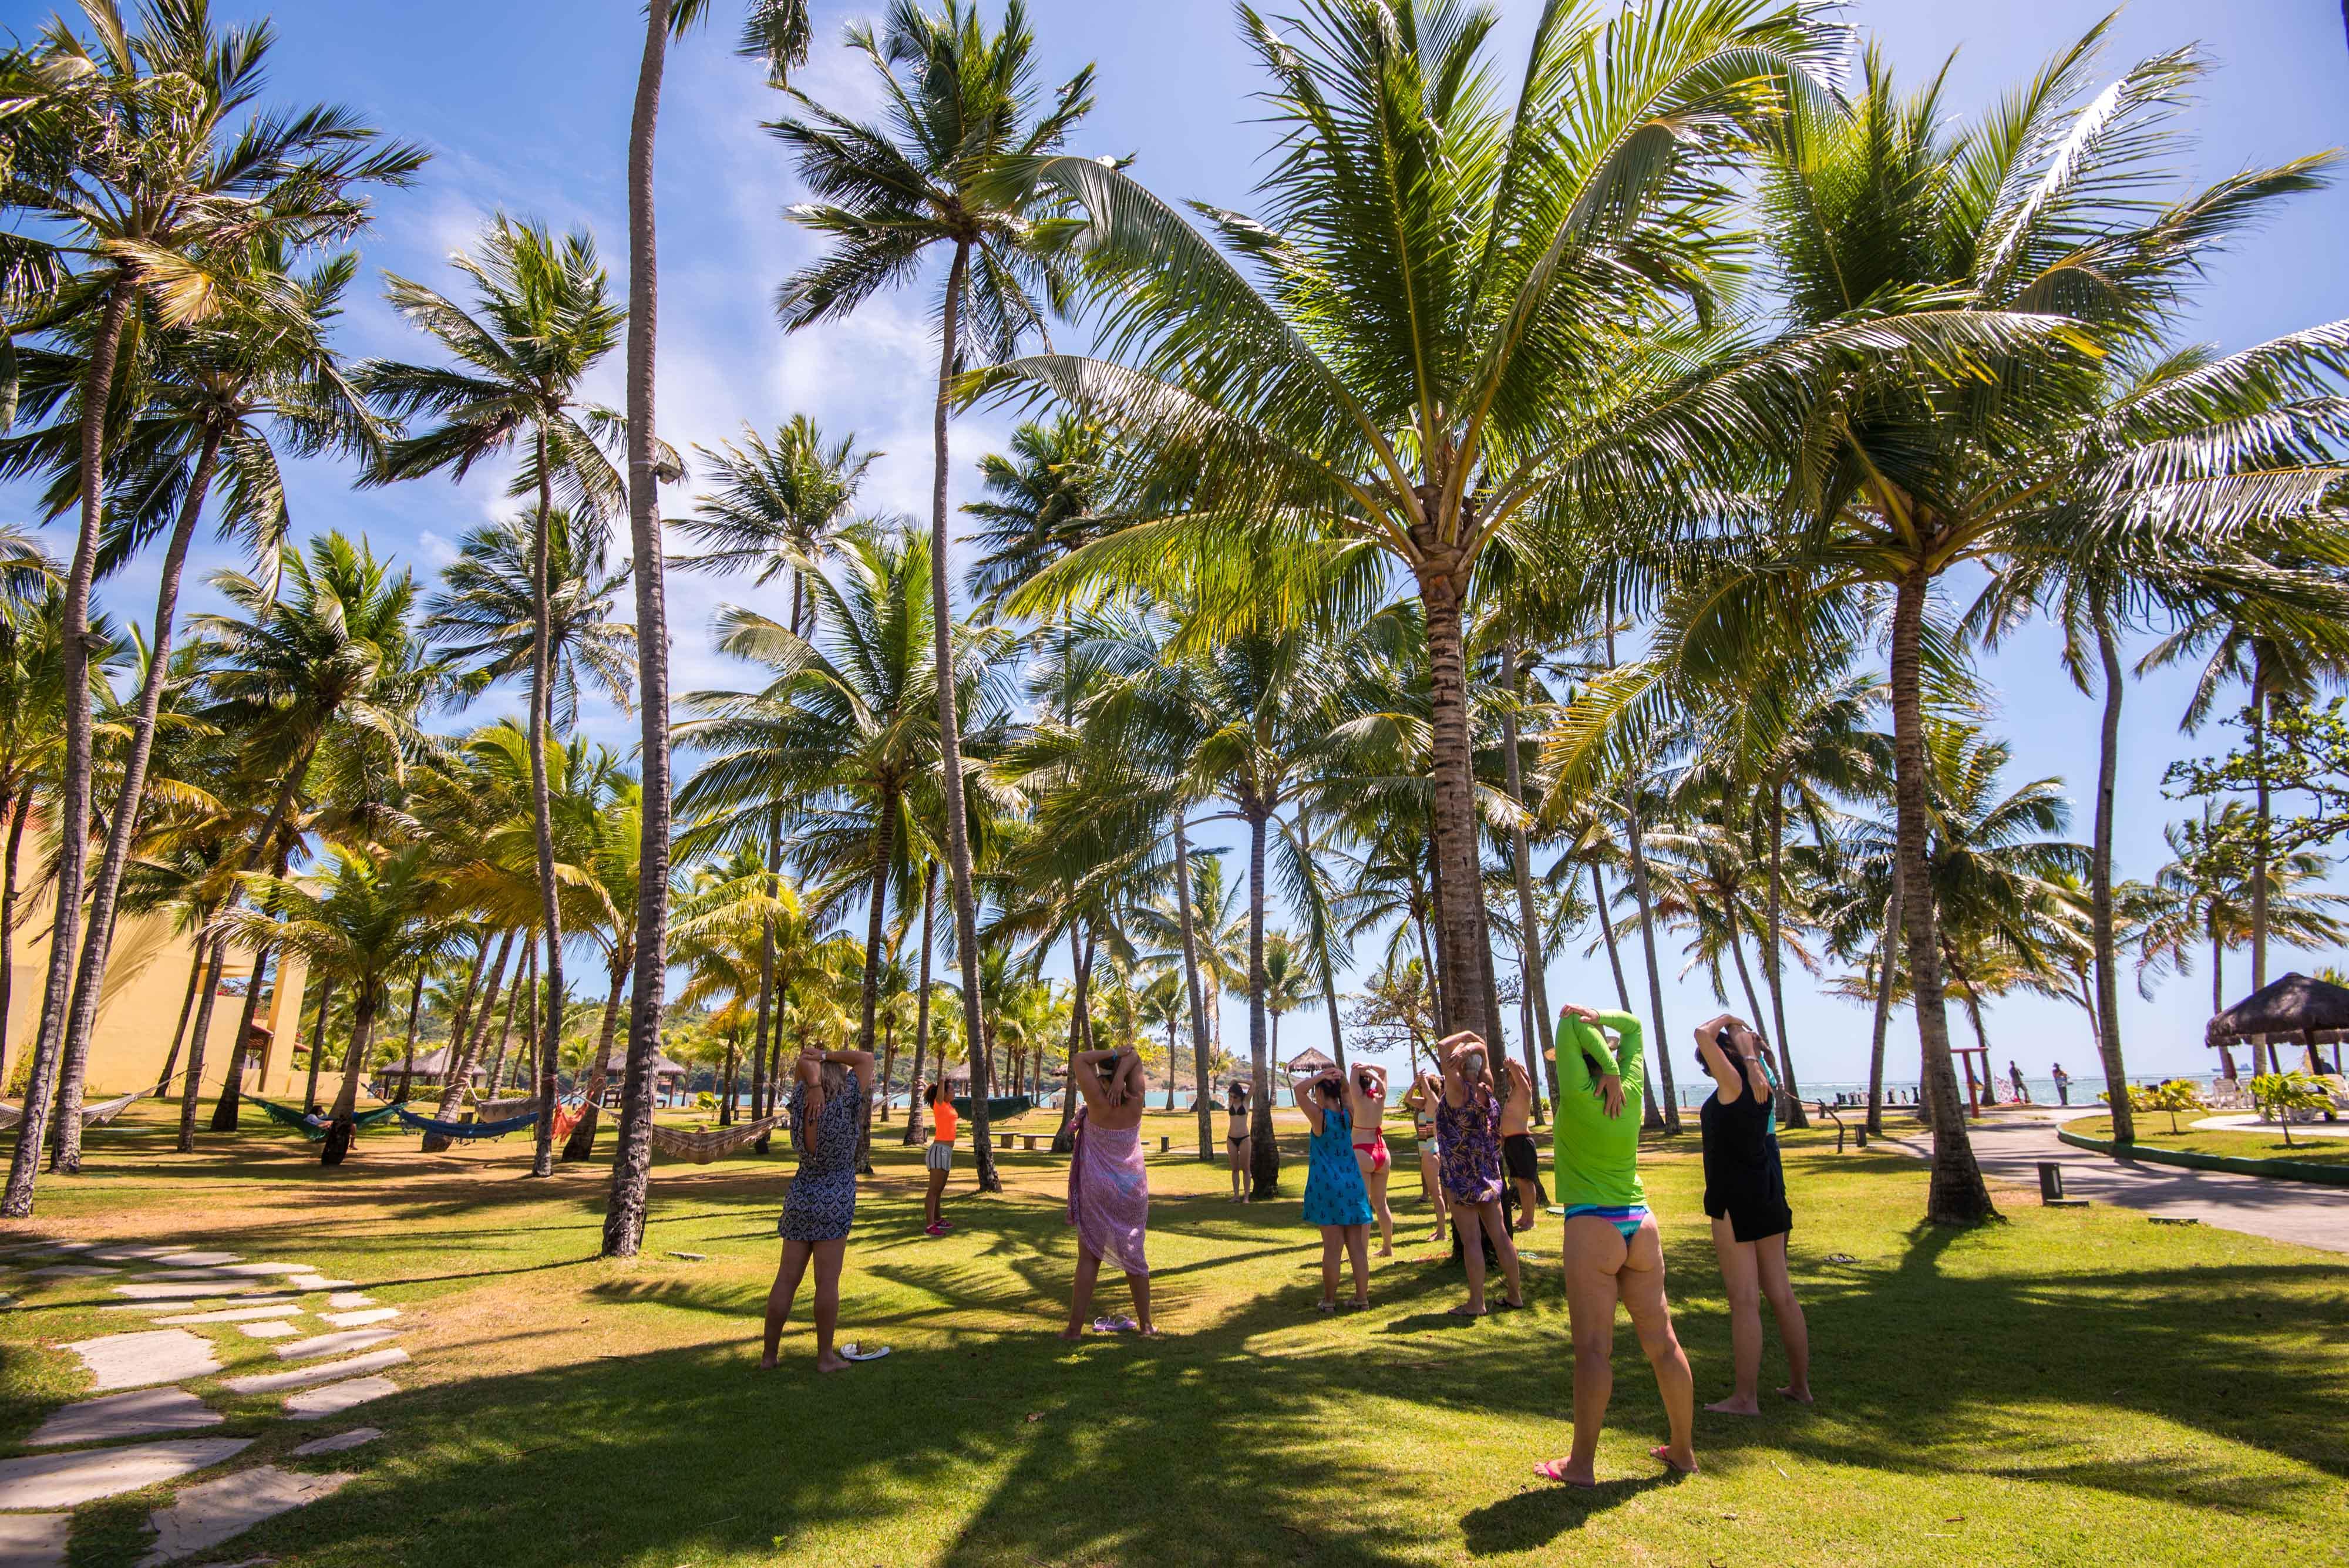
{"type": "Point", "coordinates": [1335, 1198]}
{"type": "Point", "coordinates": [828, 1107]}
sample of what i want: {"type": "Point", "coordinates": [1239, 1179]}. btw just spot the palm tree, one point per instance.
{"type": "Point", "coordinates": [156, 195]}
{"type": "Point", "coordinates": [1287, 980]}
{"type": "Point", "coordinates": [777, 32]}
{"type": "Point", "coordinates": [2030, 226]}
{"type": "Point", "coordinates": [219, 398]}
{"type": "Point", "coordinates": [775, 507]}
{"type": "Point", "coordinates": [483, 619]}
{"type": "Point", "coordinates": [366, 917]}
{"type": "Point", "coordinates": [1045, 498]}
{"type": "Point", "coordinates": [1443, 333]}
{"type": "Point", "coordinates": [330, 649]}
{"type": "Point", "coordinates": [543, 319]}
{"type": "Point", "coordinates": [965, 127]}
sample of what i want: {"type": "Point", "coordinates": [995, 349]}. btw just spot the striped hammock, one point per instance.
{"type": "Point", "coordinates": [315, 1127]}
{"type": "Point", "coordinates": [701, 1148]}
{"type": "Point", "coordinates": [96, 1116]}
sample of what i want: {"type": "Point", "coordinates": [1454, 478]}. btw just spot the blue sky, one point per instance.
{"type": "Point", "coordinates": [524, 104]}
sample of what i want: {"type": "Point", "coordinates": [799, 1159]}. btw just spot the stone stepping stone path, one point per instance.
{"type": "Point", "coordinates": [217, 1510]}
{"type": "Point", "coordinates": [235, 1314]}
{"type": "Point", "coordinates": [141, 1413]}
{"type": "Point", "coordinates": [34, 1540]}
{"type": "Point", "coordinates": [317, 1404]}
{"type": "Point", "coordinates": [132, 1360]}
{"type": "Point", "coordinates": [332, 1344]}
{"type": "Point", "coordinates": [182, 1289]}
{"type": "Point", "coordinates": [67, 1481]}
{"type": "Point", "coordinates": [324, 1372]}
{"type": "Point", "coordinates": [360, 1319]}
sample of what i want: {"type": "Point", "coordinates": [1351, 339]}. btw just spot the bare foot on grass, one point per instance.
{"type": "Point", "coordinates": [1734, 1406]}
{"type": "Point", "coordinates": [1800, 1395]}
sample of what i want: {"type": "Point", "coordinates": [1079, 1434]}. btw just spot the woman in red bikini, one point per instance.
{"type": "Point", "coordinates": [1366, 1097]}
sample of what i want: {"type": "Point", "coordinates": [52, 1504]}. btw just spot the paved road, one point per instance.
{"type": "Point", "coordinates": [2010, 1146]}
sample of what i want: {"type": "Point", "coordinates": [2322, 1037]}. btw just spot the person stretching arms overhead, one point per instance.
{"type": "Point", "coordinates": [1612, 1249]}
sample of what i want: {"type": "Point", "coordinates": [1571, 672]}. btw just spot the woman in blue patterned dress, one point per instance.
{"type": "Point", "coordinates": [1335, 1198]}
{"type": "Point", "coordinates": [827, 1117]}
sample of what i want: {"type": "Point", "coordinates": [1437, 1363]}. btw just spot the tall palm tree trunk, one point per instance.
{"type": "Point", "coordinates": [74, 788]}
{"type": "Point", "coordinates": [624, 1213]}
{"type": "Point", "coordinates": [1957, 1195]}
{"type": "Point", "coordinates": [408, 1056]}
{"type": "Point", "coordinates": [922, 1005]}
{"type": "Point", "coordinates": [2266, 807]}
{"type": "Point", "coordinates": [347, 1099]}
{"type": "Point", "coordinates": [21, 810]}
{"type": "Point", "coordinates": [766, 971]}
{"type": "Point", "coordinates": [581, 1144]}
{"type": "Point", "coordinates": [2100, 882]}
{"type": "Point", "coordinates": [541, 815]}
{"type": "Point", "coordinates": [231, 1091]}
{"type": "Point", "coordinates": [966, 908]}
{"type": "Point", "coordinates": [884, 841]}
{"type": "Point", "coordinates": [1172, 1058]}
{"type": "Point", "coordinates": [528, 984]}
{"type": "Point", "coordinates": [463, 1051]}
{"type": "Point", "coordinates": [187, 1007]}
{"type": "Point", "coordinates": [1264, 1153]}
{"type": "Point", "coordinates": [98, 942]}
{"type": "Point", "coordinates": [1888, 962]}
{"type": "Point", "coordinates": [1660, 1055]}
{"type": "Point", "coordinates": [1653, 1114]}
{"type": "Point", "coordinates": [1458, 913]}
{"type": "Point", "coordinates": [1531, 964]}
{"type": "Point", "coordinates": [197, 1035]}
{"type": "Point", "coordinates": [1191, 986]}
{"type": "Point", "coordinates": [2219, 989]}
{"type": "Point", "coordinates": [1080, 965]}
{"type": "Point", "coordinates": [318, 1040]}
{"type": "Point", "coordinates": [1790, 1092]}
{"type": "Point", "coordinates": [461, 1022]}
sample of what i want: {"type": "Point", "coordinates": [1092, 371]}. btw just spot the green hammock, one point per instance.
{"type": "Point", "coordinates": [1000, 1107]}
{"type": "Point", "coordinates": [315, 1127]}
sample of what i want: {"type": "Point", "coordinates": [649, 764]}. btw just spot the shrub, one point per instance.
{"type": "Point", "coordinates": [2278, 1094]}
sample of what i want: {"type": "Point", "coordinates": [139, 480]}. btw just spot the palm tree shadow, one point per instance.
{"type": "Point", "coordinates": [1538, 1515]}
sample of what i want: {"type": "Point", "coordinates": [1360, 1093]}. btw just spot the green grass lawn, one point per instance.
{"type": "Point", "coordinates": [2071, 1387]}
{"type": "Point", "coordinates": [2266, 1143]}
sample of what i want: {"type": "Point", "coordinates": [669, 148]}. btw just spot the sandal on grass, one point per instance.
{"type": "Point", "coordinates": [1663, 1454]}
{"type": "Point", "coordinates": [855, 1352]}
{"type": "Point", "coordinates": [1555, 1470]}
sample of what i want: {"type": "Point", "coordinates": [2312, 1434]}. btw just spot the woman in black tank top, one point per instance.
{"type": "Point", "coordinates": [1745, 1196]}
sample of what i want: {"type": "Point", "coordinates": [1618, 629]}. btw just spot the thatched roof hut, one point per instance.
{"type": "Point", "coordinates": [1308, 1063]}
{"type": "Point", "coordinates": [2296, 1008]}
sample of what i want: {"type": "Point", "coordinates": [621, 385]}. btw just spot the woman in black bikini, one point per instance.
{"type": "Point", "coordinates": [1745, 1195]}
{"type": "Point", "coordinates": [1236, 1139]}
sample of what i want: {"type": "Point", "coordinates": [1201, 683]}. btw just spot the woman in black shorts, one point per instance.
{"type": "Point", "coordinates": [1745, 1195]}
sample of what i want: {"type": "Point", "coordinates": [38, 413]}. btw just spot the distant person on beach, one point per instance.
{"type": "Point", "coordinates": [1612, 1251]}
{"type": "Point", "coordinates": [1237, 1137]}
{"type": "Point", "coordinates": [1745, 1198]}
{"type": "Point", "coordinates": [1366, 1102]}
{"type": "Point", "coordinates": [2063, 1083]}
{"type": "Point", "coordinates": [938, 1160]}
{"type": "Point", "coordinates": [1422, 1101]}
{"type": "Point", "coordinates": [2022, 1089]}
{"type": "Point", "coordinates": [1109, 1186]}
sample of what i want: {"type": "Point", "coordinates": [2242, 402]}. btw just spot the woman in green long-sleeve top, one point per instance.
{"type": "Point", "coordinates": [1611, 1249]}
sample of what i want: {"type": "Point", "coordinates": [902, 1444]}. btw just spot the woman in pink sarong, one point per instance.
{"type": "Point", "coordinates": [1109, 1191]}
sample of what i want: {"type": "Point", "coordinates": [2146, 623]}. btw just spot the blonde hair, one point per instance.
{"type": "Point", "coordinates": [833, 1078]}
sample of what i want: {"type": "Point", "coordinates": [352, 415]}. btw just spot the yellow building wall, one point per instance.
{"type": "Point", "coordinates": [146, 981]}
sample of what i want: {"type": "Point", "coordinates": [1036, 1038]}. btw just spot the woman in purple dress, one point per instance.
{"type": "Point", "coordinates": [1468, 1125]}
{"type": "Point", "coordinates": [1109, 1190]}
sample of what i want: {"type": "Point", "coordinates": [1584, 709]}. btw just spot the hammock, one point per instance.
{"type": "Point", "coordinates": [315, 1127]}
{"type": "Point", "coordinates": [96, 1116]}
{"type": "Point", "coordinates": [463, 1129]}
{"type": "Point", "coordinates": [498, 1110]}
{"type": "Point", "coordinates": [701, 1148]}
{"type": "Point", "coordinates": [566, 1116]}
{"type": "Point", "coordinates": [1000, 1107]}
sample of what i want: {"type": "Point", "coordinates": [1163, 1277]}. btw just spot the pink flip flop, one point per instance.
{"type": "Point", "coordinates": [1661, 1454]}
{"type": "Point", "coordinates": [1555, 1470]}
